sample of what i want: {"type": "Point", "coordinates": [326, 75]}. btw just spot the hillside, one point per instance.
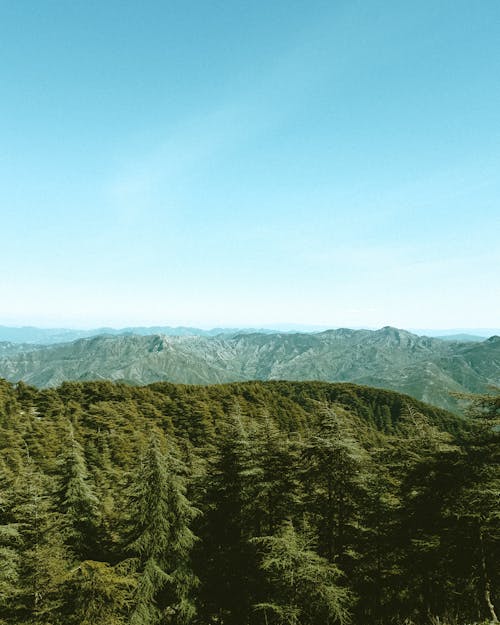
{"type": "Point", "coordinates": [426, 368]}
{"type": "Point", "coordinates": [339, 483]}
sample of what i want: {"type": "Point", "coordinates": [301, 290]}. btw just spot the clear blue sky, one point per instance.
{"type": "Point", "coordinates": [250, 163]}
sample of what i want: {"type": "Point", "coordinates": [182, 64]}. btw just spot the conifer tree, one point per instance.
{"type": "Point", "coordinates": [334, 478]}
{"type": "Point", "coordinates": [10, 541]}
{"type": "Point", "coordinates": [43, 562]}
{"type": "Point", "coordinates": [161, 540]}
{"type": "Point", "coordinates": [477, 504]}
{"type": "Point", "coordinates": [304, 588]}
{"type": "Point", "coordinates": [426, 461]}
{"type": "Point", "coordinates": [76, 501]}
{"type": "Point", "coordinates": [273, 477]}
{"type": "Point", "coordinates": [9, 567]}
{"type": "Point", "coordinates": [377, 567]}
{"type": "Point", "coordinates": [225, 561]}
{"type": "Point", "coordinates": [98, 594]}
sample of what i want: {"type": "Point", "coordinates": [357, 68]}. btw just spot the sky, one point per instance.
{"type": "Point", "coordinates": [242, 163]}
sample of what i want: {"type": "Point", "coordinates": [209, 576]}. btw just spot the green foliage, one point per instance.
{"type": "Point", "coordinates": [225, 560]}
{"type": "Point", "coordinates": [273, 469]}
{"type": "Point", "coordinates": [334, 474]}
{"type": "Point", "coordinates": [9, 564]}
{"type": "Point", "coordinates": [44, 560]}
{"type": "Point", "coordinates": [115, 500]}
{"type": "Point", "coordinates": [477, 504]}
{"type": "Point", "coordinates": [160, 518]}
{"type": "Point", "coordinates": [76, 500]}
{"type": "Point", "coordinates": [98, 594]}
{"type": "Point", "coordinates": [304, 588]}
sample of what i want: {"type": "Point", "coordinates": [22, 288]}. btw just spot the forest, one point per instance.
{"type": "Point", "coordinates": [254, 503]}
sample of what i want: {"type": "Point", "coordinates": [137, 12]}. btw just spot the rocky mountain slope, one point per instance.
{"type": "Point", "coordinates": [426, 368]}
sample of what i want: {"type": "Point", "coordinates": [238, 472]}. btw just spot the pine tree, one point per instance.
{"type": "Point", "coordinates": [76, 501]}
{"type": "Point", "coordinates": [477, 502]}
{"type": "Point", "coordinates": [10, 543]}
{"type": "Point", "coordinates": [273, 477]}
{"type": "Point", "coordinates": [98, 594]}
{"type": "Point", "coordinates": [377, 569]}
{"type": "Point", "coordinates": [161, 540]}
{"type": "Point", "coordinates": [226, 559]}
{"type": "Point", "coordinates": [304, 588]}
{"type": "Point", "coordinates": [43, 561]}
{"type": "Point", "coordinates": [426, 461]}
{"type": "Point", "coordinates": [334, 481]}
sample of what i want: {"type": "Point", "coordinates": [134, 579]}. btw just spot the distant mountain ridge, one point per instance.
{"type": "Point", "coordinates": [464, 338]}
{"type": "Point", "coordinates": [31, 335]}
{"type": "Point", "coordinates": [49, 336]}
{"type": "Point", "coordinates": [426, 368]}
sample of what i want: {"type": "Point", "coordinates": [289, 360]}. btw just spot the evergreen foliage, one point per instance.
{"type": "Point", "coordinates": [225, 562]}
{"type": "Point", "coordinates": [76, 501]}
{"type": "Point", "coordinates": [97, 594]}
{"type": "Point", "coordinates": [160, 518]}
{"type": "Point", "coordinates": [246, 504]}
{"type": "Point", "coordinates": [304, 588]}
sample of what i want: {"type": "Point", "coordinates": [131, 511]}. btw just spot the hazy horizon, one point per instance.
{"type": "Point", "coordinates": [283, 327]}
{"type": "Point", "coordinates": [242, 164]}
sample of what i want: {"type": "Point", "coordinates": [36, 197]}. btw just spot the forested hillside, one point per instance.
{"type": "Point", "coordinates": [428, 369]}
{"type": "Point", "coordinates": [258, 503]}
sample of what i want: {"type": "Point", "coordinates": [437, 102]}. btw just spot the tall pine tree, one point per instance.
{"type": "Point", "coordinates": [226, 561]}
{"type": "Point", "coordinates": [44, 561]}
{"type": "Point", "coordinates": [334, 478]}
{"type": "Point", "coordinates": [76, 500]}
{"type": "Point", "coordinates": [303, 587]}
{"type": "Point", "coordinates": [161, 539]}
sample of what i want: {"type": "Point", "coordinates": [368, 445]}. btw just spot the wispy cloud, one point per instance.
{"type": "Point", "coordinates": [220, 128]}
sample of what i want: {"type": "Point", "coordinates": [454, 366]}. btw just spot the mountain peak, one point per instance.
{"type": "Point", "coordinates": [392, 331]}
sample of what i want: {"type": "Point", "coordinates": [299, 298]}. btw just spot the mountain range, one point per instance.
{"type": "Point", "coordinates": [427, 368]}
{"type": "Point", "coordinates": [48, 336]}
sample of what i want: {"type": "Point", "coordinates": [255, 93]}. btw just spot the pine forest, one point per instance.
{"type": "Point", "coordinates": [257, 503]}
